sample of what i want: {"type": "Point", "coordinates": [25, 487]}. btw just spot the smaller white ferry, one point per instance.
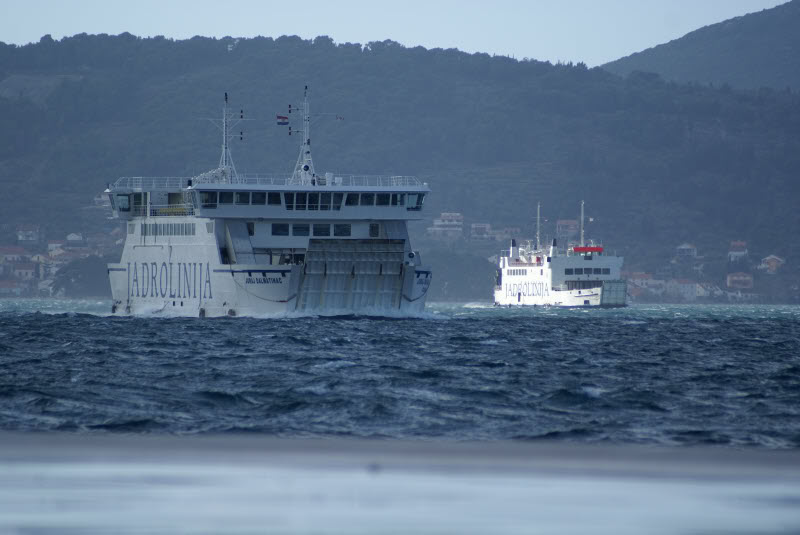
{"type": "Point", "coordinates": [580, 275]}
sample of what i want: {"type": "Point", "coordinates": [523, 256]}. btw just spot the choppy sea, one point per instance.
{"type": "Point", "coordinates": [656, 374]}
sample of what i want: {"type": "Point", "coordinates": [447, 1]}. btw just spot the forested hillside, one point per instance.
{"type": "Point", "coordinates": [658, 163]}
{"type": "Point", "coordinates": [753, 51]}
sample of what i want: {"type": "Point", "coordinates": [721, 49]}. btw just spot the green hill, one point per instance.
{"type": "Point", "coordinates": [756, 50]}
{"type": "Point", "coordinates": [658, 163]}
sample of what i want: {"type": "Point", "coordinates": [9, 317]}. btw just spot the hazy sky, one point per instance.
{"type": "Point", "coordinates": [593, 31]}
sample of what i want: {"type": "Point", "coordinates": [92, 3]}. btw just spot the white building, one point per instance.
{"type": "Point", "coordinates": [449, 226]}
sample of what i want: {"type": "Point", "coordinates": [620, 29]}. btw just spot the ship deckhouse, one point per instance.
{"type": "Point", "coordinates": [331, 243]}
{"type": "Point", "coordinates": [580, 276]}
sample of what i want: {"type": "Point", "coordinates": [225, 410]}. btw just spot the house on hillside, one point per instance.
{"type": "Point", "coordinates": [737, 251]}
{"type": "Point", "coordinates": [25, 272]}
{"type": "Point", "coordinates": [27, 234]}
{"type": "Point", "coordinates": [686, 251]}
{"type": "Point", "coordinates": [13, 253]}
{"type": "Point", "coordinates": [449, 226]}
{"type": "Point", "coordinates": [771, 264]}
{"type": "Point", "coordinates": [740, 281]}
{"type": "Point", "coordinates": [480, 232]}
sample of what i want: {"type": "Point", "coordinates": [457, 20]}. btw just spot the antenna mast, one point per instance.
{"type": "Point", "coordinates": [538, 242]}
{"type": "Point", "coordinates": [581, 223]}
{"type": "Point", "coordinates": [304, 169]}
{"type": "Point", "coordinates": [229, 120]}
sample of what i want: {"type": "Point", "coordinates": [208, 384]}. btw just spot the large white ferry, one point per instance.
{"type": "Point", "coordinates": [580, 275]}
{"type": "Point", "coordinates": [224, 244]}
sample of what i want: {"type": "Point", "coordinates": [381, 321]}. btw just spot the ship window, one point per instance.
{"type": "Point", "coordinates": [341, 229]}
{"type": "Point", "coordinates": [401, 199]}
{"type": "Point", "coordinates": [568, 271]}
{"type": "Point", "coordinates": [251, 228]}
{"type": "Point", "coordinates": [226, 197]}
{"type": "Point", "coordinates": [367, 199]}
{"type": "Point", "coordinates": [274, 198]}
{"type": "Point", "coordinates": [313, 201]}
{"type": "Point", "coordinates": [208, 199]}
{"type": "Point", "coordinates": [289, 197]}
{"type": "Point", "coordinates": [415, 201]}
{"type": "Point", "coordinates": [280, 229]}
{"type": "Point", "coordinates": [337, 201]}
{"type": "Point", "coordinates": [260, 197]}
{"type": "Point", "coordinates": [374, 230]}
{"type": "Point", "coordinates": [325, 201]}
{"type": "Point", "coordinates": [300, 229]}
{"type": "Point", "coordinates": [579, 271]}
{"type": "Point", "coordinates": [321, 229]}
{"type": "Point", "coordinates": [242, 197]}
{"type": "Point", "coordinates": [352, 199]}
{"type": "Point", "coordinates": [598, 271]}
{"type": "Point", "coordinates": [124, 203]}
{"type": "Point", "coordinates": [382, 199]}
{"type": "Point", "coordinates": [394, 199]}
{"type": "Point", "coordinates": [587, 257]}
{"type": "Point", "coordinates": [606, 271]}
{"type": "Point", "coordinates": [300, 200]}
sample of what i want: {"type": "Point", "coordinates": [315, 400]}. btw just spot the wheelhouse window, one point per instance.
{"type": "Point", "coordinates": [325, 201]}
{"type": "Point", "coordinates": [374, 230]}
{"type": "Point", "coordinates": [242, 197]}
{"type": "Point", "coordinates": [313, 201]}
{"type": "Point", "coordinates": [579, 271]}
{"type": "Point", "coordinates": [415, 201]}
{"type": "Point", "coordinates": [274, 198]}
{"type": "Point", "coordinates": [322, 229]}
{"type": "Point", "coordinates": [124, 203]}
{"type": "Point", "coordinates": [341, 229]}
{"type": "Point", "coordinates": [568, 271]}
{"type": "Point", "coordinates": [337, 201]}
{"type": "Point", "coordinates": [226, 197]}
{"type": "Point", "coordinates": [208, 199]}
{"type": "Point", "coordinates": [280, 229]}
{"type": "Point", "coordinates": [300, 200]}
{"type": "Point", "coordinates": [382, 199]}
{"type": "Point", "coordinates": [367, 199]}
{"type": "Point", "coordinates": [351, 200]}
{"type": "Point", "coordinates": [606, 271]}
{"type": "Point", "coordinates": [258, 197]}
{"type": "Point", "coordinates": [598, 271]}
{"type": "Point", "coordinates": [300, 229]}
{"type": "Point", "coordinates": [289, 198]}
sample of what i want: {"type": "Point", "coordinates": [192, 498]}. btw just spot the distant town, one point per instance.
{"type": "Point", "coordinates": [33, 264]}
{"type": "Point", "coordinates": [685, 277]}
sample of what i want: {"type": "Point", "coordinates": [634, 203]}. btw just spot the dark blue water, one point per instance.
{"type": "Point", "coordinates": [665, 375]}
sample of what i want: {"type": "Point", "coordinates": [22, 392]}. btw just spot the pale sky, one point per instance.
{"type": "Point", "coordinates": [556, 30]}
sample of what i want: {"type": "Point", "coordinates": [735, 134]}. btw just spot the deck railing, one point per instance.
{"type": "Point", "coordinates": [163, 210]}
{"type": "Point", "coordinates": [332, 181]}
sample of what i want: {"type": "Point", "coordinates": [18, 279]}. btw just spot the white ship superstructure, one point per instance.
{"type": "Point", "coordinates": [227, 244]}
{"type": "Point", "coordinates": [581, 275]}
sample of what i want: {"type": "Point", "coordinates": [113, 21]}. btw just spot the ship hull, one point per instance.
{"type": "Point", "coordinates": [183, 276]}
{"type": "Point", "coordinates": [612, 294]}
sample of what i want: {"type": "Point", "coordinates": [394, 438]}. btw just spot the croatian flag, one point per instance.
{"type": "Point", "coordinates": [282, 120]}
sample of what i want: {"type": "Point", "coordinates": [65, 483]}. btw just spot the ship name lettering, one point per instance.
{"type": "Point", "coordinates": [263, 280]}
{"type": "Point", "coordinates": [532, 289]}
{"type": "Point", "coordinates": [151, 280]}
